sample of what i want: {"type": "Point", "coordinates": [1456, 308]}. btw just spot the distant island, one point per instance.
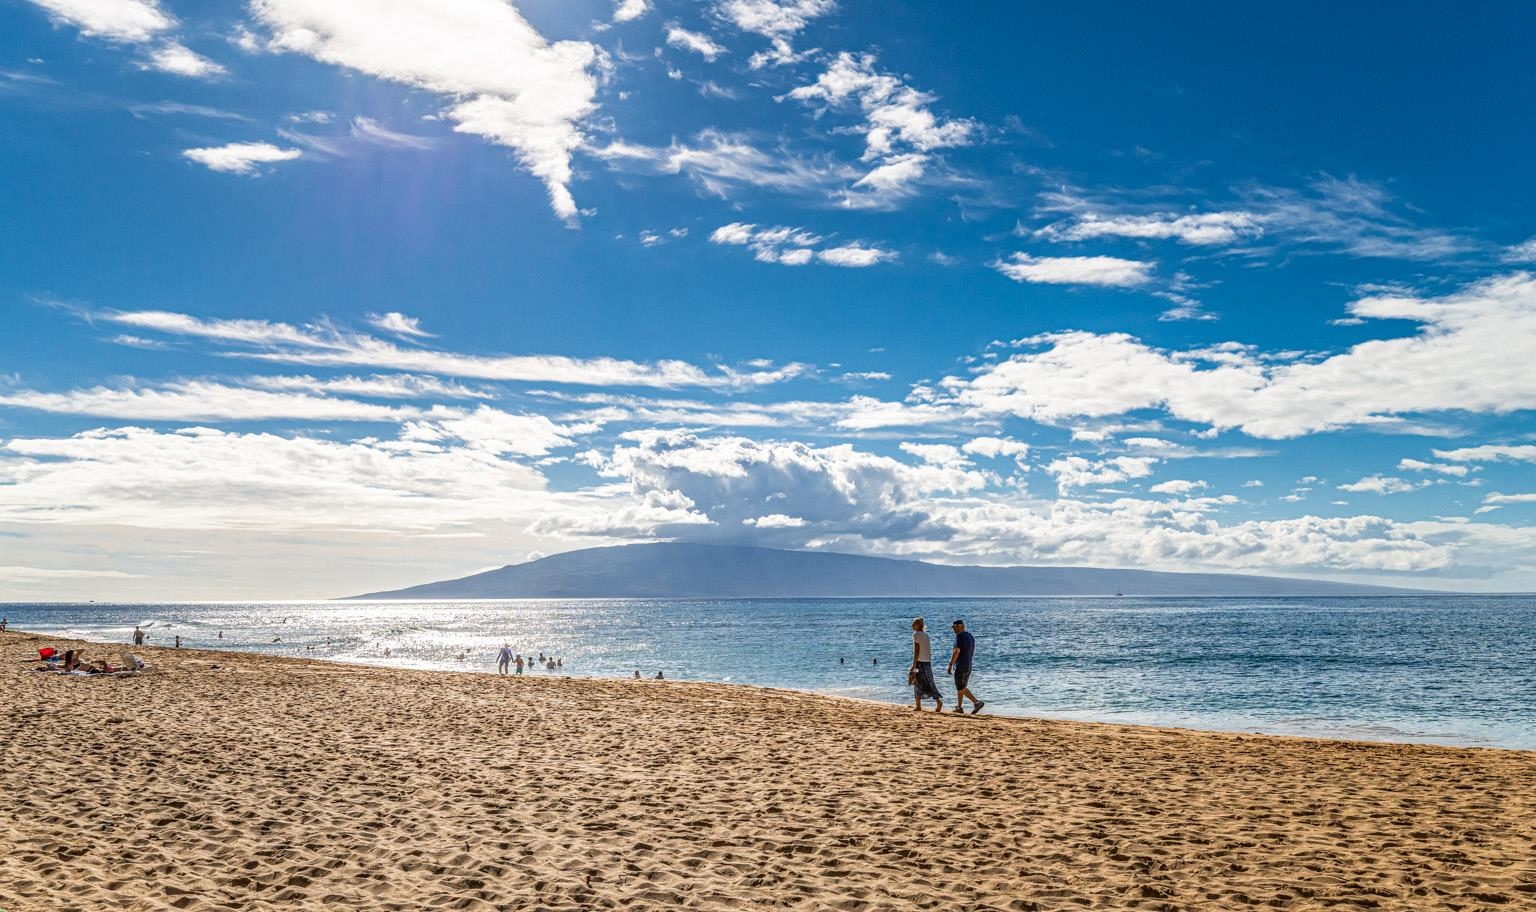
{"type": "Point", "coordinates": [678, 570]}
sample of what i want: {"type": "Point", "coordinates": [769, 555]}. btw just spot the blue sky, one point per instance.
{"type": "Point", "coordinates": [311, 297]}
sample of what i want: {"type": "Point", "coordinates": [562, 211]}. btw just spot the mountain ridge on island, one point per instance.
{"type": "Point", "coordinates": [679, 570]}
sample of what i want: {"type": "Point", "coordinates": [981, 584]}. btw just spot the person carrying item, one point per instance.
{"type": "Point", "coordinates": [920, 675]}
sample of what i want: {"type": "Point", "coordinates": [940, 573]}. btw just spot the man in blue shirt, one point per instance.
{"type": "Point", "coordinates": [960, 667]}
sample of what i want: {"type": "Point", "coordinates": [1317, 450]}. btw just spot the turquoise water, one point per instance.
{"type": "Point", "coordinates": [1441, 669]}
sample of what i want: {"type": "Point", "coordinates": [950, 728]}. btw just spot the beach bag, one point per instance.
{"type": "Point", "coordinates": [911, 677]}
{"type": "Point", "coordinates": [47, 652]}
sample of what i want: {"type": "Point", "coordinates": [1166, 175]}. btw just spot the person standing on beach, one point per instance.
{"type": "Point", "coordinates": [138, 636]}
{"type": "Point", "coordinates": [504, 658]}
{"type": "Point", "coordinates": [178, 641]}
{"type": "Point", "coordinates": [960, 667]}
{"type": "Point", "coordinates": [519, 663]}
{"type": "Point", "coordinates": [922, 669]}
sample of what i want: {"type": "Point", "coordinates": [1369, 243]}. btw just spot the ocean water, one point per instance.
{"type": "Point", "coordinates": [1440, 669]}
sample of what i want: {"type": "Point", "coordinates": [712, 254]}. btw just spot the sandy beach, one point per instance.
{"type": "Point", "coordinates": [227, 781]}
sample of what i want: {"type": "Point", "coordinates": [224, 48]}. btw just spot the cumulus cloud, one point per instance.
{"type": "Point", "coordinates": [182, 61]}
{"type": "Point", "coordinates": [1111, 272]}
{"type": "Point", "coordinates": [1177, 486]}
{"type": "Point", "coordinates": [506, 82]}
{"type": "Point", "coordinates": [139, 23]}
{"type": "Point", "coordinates": [900, 130]}
{"type": "Point", "coordinates": [996, 447]}
{"type": "Point", "coordinates": [1418, 465]}
{"type": "Point", "coordinates": [1380, 484]}
{"type": "Point", "coordinates": [1470, 355]}
{"type": "Point", "coordinates": [1080, 472]}
{"type": "Point", "coordinates": [855, 256]}
{"type": "Point", "coordinates": [630, 10]}
{"type": "Point", "coordinates": [835, 489]}
{"type": "Point", "coordinates": [240, 157]}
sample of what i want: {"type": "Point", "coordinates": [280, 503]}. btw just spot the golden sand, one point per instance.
{"type": "Point", "coordinates": [227, 781]}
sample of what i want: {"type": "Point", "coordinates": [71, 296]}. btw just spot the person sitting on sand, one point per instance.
{"type": "Point", "coordinates": [637, 674]}
{"type": "Point", "coordinates": [921, 672]}
{"type": "Point", "coordinates": [660, 677]}
{"type": "Point", "coordinates": [73, 658]}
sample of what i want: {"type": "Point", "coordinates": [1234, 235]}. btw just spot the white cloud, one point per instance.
{"type": "Point", "coordinates": [205, 478]}
{"type": "Point", "coordinates": [995, 447]}
{"type": "Point", "coordinates": [1471, 355]}
{"type": "Point", "coordinates": [1524, 252]}
{"type": "Point", "coordinates": [1106, 271]}
{"type": "Point", "coordinates": [240, 157]}
{"type": "Point", "coordinates": [772, 18]}
{"type": "Point", "coordinates": [777, 20]}
{"type": "Point", "coordinates": [1380, 484]}
{"type": "Point", "coordinates": [201, 400]}
{"type": "Point", "coordinates": [399, 324]}
{"type": "Point", "coordinates": [730, 480]}
{"type": "Point", "coordinates": [721, 163]}
{"type": "Point", "coordinates": [1079, 472]}
{"type": "Point", "coordinates": [327, 346]}
{"type": "Point", "coordinates": [1497, 498]}
{"type": "Point", "coordinates": [1417, 465]}
{"type": "Point", "coordinates": [494, 431]}
{"type": "Point", "coordinates": [133, 21]}
{"type": "Point", "coordinates": [700, 44]}
{"type": "Point", "coordinates": [1490, 453]}
{"type": "Point", "coordinates": [630, 10]}
{"type": "Point", "coordinates": [377, 386]}
{"type": "Point", "coordinates": [855, 256]}
{"type": "Point", "coordinates": [936, 454]}
{"type": "Point", "coordinates": [794, 246]}
{"type": "Point", "coordinates": [182, 61]}
{"type": "Point", "coordinates": [371, 131]}
{"type": "Point", "coordinates": [1204, 228]}
{"type": "Point", "coordinates": [507, 83]}
{"type": "Point", "coordinates": [898, 126]}
{"type": "Point", "coordinates": [1177, 486]}
{"type": "Point", "coordinates": [140, 23]}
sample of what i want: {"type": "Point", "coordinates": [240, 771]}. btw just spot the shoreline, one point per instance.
{"type": "Point", "coordinates": [227, 780]}
{"type": "Point", "coordinates": [758, 687]}
{"type": "Point", "coordinates": [870, 701]}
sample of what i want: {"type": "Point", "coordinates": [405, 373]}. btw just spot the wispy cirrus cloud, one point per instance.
{"type": "Point", "coordinates": [324, 345]}
{"type": "Point", "coordinates": [722, 164]}
{"type": "Point", "coordinates": [694, 42]}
